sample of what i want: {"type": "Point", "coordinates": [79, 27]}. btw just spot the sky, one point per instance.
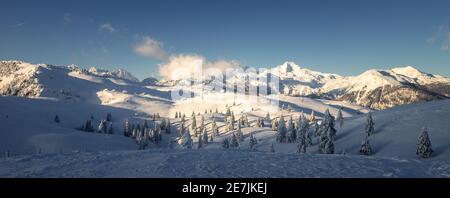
{"type": "Point", "coordinates": [344, 37]}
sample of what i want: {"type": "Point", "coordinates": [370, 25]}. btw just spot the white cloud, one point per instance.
{"type": "Point", "coordinates": [107, 27]}
{"type": "Point", "coordinates": [18, 25]}
{"type": "Point", "coordinates": [182, 66]}
{"type": "Point", "coordinates": [151, 48]}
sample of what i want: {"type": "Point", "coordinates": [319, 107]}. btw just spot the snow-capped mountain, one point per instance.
{"type": "Point", "coordinates": [378, 89]}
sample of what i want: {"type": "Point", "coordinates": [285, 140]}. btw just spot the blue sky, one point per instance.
{"type": "Point", "coordinates": [344, 37]}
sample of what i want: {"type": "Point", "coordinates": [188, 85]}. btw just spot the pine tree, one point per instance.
{"type": "Point", "coordinates": [186, 141]}
{"type": "Point", "coordinates": [205, 136]}
{"type": "Point", "coordinates": [316, 129]}
{"type": "Point", "coordinates": [215, 129]}
{"type": "Point", "coordinates": [194, 125]}
{"type": "Point", "coordinates": [228, 113]}
{"type": "Point", "coordinates": [272, 148]}
{"type": "Point", "coordinates": [327, 133]}
{"type": "Point", "coordinates": [110, 128]}
{"type": "Point", "coordinates": [340, 118]}
{"type": "Point", "coordinates": [234, 141]}
{"type": "Point", "coordinates": [109, 117]}
{"type": "Point", "coordinates": [370, 125]}
{"type": "Point", "coordinates": [274, 125]}
{"type": "Point", "coordinates": [424, 149]}
{"type": "Point", "coordinates": [239, 134]}
{"type": "Point", "coordinates": [146, 124]}
{"type": "Point", "coordinates": [200, 142]}
{"type": "Point", "coordinates": [56, 119]}
{"type": "Point", "coordinates": [202, 124]}
{"type": "Point", "coordinates": [226, 143]}
{"type": "Point", "coordinates": [217, 111]}
{"type": "Point", "coordinates": [193, 114]}
{"type": "Point", "coordinates": [291, 136]}
{"type": "Point", "coordinates": [365, 149]}
{"type": "Point", "coordinates": [168, 128]}
{"type": "Point", "coordinates": [126, 128]}
{"type": "Point", "coordinates": [176, 115]}
{"type": "Point", "coordinates": [102, 128]}
{"type": "Point", "coordinates": [253, 141]}
{"type": "Point", "coordinates": [232, 121]}
{"type": "Point", "coordinates": [301, 146]}
{"type": "Point", "coordinates": [281, 132]}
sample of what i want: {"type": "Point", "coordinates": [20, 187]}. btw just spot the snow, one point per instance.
{"type": "Point", "coordinates": [40, 147]}
{"type": "Point", "coordinates": [213, 163]}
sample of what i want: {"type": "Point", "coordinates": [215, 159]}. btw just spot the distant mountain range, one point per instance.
{"type": "Point", "coordinates": [377, 89]}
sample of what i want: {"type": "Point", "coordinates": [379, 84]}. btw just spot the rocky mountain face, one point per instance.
{"type": "Point", "coordinates": [377, 89]}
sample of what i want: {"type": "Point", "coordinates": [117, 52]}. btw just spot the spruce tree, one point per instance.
{"type": "Point", "coordinates": [312, 117]}
{"type": "Point", "coordinates": [102, 127]}
{"type": "Point", "coordinates": [234, 141]}
{"type": "Point", "coordinates": [291, 134]}
{"type": "Point", "coordinates": [370, 125]}
{"type": "Point", "coordinates": [168, 127]}
{"type": "Point", "coordinates": [109, 117]}
{"type": "Point", "coordinates": [226, 143]}
{"type": "Point", "coordinates": [365, 149]}
{"type": "Point", "coordinates": [126, 128]}
{"type": "Point", "coordinates": [215, 129]}
{"type": "Point", "coordinates": [424, 149]}
{"type": "Point", "coordinates": [186, 140]}
{"type": "Point", "coordinates": [205, 136]}
{"type": "Point", "coordinates": [239, 134]}
{"type": "Point", "coordinates": [110, 128]}
{"type": "Point", "coordinates": [56, 119]}
{"type": "Point", "coordinates": [200, 142]}
{"type": "Point", "coordinates": [194, 125]}
{"type": "Point", "coordinates": [281, 132]}
{"type": "Point", "coordinates": [253, 141]}
{"type": "Point", "coordinates": [274, 125]}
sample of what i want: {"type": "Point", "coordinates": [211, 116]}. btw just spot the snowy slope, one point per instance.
{"type": "Point", "coordinates": [27, 126]}
{"type": "Point", "coordinates": [214, 164]}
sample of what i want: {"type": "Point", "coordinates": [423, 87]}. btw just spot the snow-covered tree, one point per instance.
{"type": "Point", "coordinates": [328, 125]}
{"type": "Point", "coordinates": [88, 127]}
{"type": "Point", "coordinates": [365, 149]}
{"type": "Point", "coordinates": [239, 134]}
{"type": "Point", "coordinates": [340, 118]}
{"type": "Point", "coordinates": [316, 129]}
{"type": "Point", "coordinates": [228, 113]}
{"type": "Point", "coordinates": [205, 136]}
{"type": "Point", "coordinates": [258, 123]}
{"type": "Point", "coordinates": [56, 119]}
{"type": "Point", "coordinates": [424, 149]}
{"type": "Point", "coordinates": [126, 128]}
{"type": "Point", "coordinates": [200, 142]}
{"type": "Point", "coordinates": [193, 114]}
{"type": "Point", "coordinates": [186, 140]}
{"type": "Point", "coordinates": [253, 141]}
{"type": "Point", "coordinates": [183, 118]}
{"type": "Point", "coordinates": [110, 128]}
{"type": "Point", "coordinates": [214, 128]}
{"type": "Point", "coordinates": [102, 127]}
{"type": "Point", "coordinates": [370, 125]}
{"type": "Point", "coordinates": [281, 132]}
{"type": "Point", "coordinates": [327, 133]}
{"type": "Point", "coordinates": [168, 128]}
{"type": "Point", "coordinates": [234, 141]}
{"type": "Point", "coordinates": [274, 125]}
{"type": "Point", "coordinates": [291, 133]}
{"type": "Point", "coordinates": [226, 143]}
{"type": "Point", "coordinates": [272, 148]}
{"type": "Point", "coordinates": [176, 115]}
{"type": "Point", "coordinates": [194, 125]}
{"type": "Point", "coordinates": [301, 146]}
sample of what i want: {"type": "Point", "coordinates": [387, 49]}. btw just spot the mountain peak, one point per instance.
{"type": "Point", "coordinates": [409, 71]}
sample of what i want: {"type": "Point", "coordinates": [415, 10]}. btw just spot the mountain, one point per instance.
{"type": "Point", "coordinates": [377, 89]}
